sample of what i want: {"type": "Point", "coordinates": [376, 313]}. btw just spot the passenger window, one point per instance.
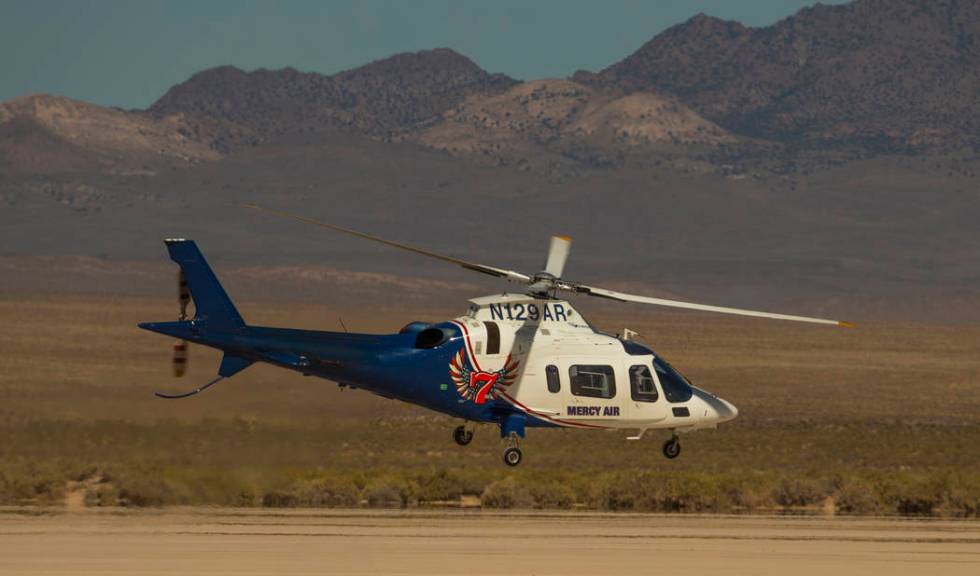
{"type": "Point", "coordinates": [676, 388]}
{"type": "Point", "coordinates": [642, 386]}
{"type": "Point", "coordinates": [554, 382]}
{"type": "Point", "coordinates": [594, 381]}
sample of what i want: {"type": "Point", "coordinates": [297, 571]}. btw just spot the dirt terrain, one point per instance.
{"type": "Point", "coordinates": [195, 541]}
{"type": "Point", "coordinates": [831, 421]}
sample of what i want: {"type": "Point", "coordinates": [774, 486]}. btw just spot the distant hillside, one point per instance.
{"type": "Point", "coordinates": [563, 118]}
{"type": "Point", "coordinates": [47, 134]}
{"type": "Point", "coordinates": [882, 74]}
{"type": "Point", "coordinates": [389, 96]}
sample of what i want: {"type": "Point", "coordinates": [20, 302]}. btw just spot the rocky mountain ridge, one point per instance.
{"type": "Point", "coordinates": [834, 83]}
{"type": "Point", "coordinates": [888, 75]}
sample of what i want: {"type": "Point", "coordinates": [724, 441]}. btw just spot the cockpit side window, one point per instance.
{"type": "Point", "coordinates": [642, 386]}
{"type": "Point", "coordinates": [676, 387]}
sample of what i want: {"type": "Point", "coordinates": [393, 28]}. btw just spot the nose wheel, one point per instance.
{"type": "Point", "coordinates": [462, 436]}
{"type": "Point", "coordinates": [672, 448]}
{"type": "Point", "coordinates": [513, 454]}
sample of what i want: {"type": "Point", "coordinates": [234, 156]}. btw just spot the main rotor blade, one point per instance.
{"type": "Point", "coordinates": [557, 254]}
{"type": "Point", "coordinates": [510, 275]}
{"type": "Point", "coordinates": [621, 297]}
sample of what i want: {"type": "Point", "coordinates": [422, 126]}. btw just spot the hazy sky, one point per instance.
{"type": "Point", "coordinates": [128, 52]}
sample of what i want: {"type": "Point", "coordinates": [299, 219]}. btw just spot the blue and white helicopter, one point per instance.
{"type": "Point", "coordinates": [515, 360]}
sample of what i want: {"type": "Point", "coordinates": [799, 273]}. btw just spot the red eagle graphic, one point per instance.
{"type": "Point", "coordinates": [480, 386]}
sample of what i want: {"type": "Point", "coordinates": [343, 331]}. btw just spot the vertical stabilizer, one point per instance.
{"type": "Point", "coordinates": [211, 302]}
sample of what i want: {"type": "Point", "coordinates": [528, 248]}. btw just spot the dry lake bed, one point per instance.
{"type": "Point", "coordinates": [234, 541]}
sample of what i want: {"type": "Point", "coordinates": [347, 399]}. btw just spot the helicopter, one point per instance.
{"type": "Point", "coordinates": [516, 360]}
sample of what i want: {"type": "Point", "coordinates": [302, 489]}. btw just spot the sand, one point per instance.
{"type": "Point", "coordinates": [221, 541]}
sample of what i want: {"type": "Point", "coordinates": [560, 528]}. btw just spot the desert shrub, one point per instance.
{"type": "Point", "coordinates": [440, 486]}
{"type": "Point", "coordinates": [912, 502]}
{"type": "Point", "coordinates": [209, 486]}
{"type": "Point", "coordinates": [31, 484]}
{"type": "Point", "coordinates": [144, 491]}
{"type": "Point", "coordinates": [646, 492]}
{"type": "Point", "coordinates": [103, 494]}
{"type": "Point", "coordinates": [14, 488]}
{"type": "Point", "coordinates": [743, 493]}
{"type": "Point", "coordinates": [552, 495]}
{"type": "Point", "coordinates": [279, 499]}
{"type": "Point", "coordinates": [616, 492]}
{"type": "Point", "coordinates": [316, 491]}
{"type": "Point", "coordinates": [506, 493]}
{"type": "Point", "coordinates": [391, 492]}
{"type": "Point", "coordinates": [793, 492]}
{"type": "Point", "coordinates": [913, 495]}
{"type": "Point", "coordinates": [678, 493]}
{"type": "Point", "coordinates": [961, 495]}
{"type": "Point", "coordinates": [912, 499]}
{"type": "Point", "coordinates": [856, 496]}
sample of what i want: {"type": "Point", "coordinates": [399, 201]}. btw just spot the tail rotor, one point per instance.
{"type": "Point", "coordinates": [180, 347]}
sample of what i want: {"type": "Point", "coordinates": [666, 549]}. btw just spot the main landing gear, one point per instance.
{"type": "Point", "coordinates": [512, 428]}
{"type": "Point", "coordinates": [462, 436]}
{"type": "Point", "coordinates": [513, 454]}
{"type": "Point", "coordinates": [672, 448]}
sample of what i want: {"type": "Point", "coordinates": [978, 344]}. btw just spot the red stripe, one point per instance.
{"type": "Point", "coordinates": [469, 346]}
{"type": "Point", "coordinates": [546, 417]}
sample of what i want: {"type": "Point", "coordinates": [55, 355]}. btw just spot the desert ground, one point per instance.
{"type": "Point", "coordinates": [235, 541]}
{"type": "Point", "coordinates": [881, 419]}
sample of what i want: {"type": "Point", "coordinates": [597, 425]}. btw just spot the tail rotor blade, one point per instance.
{"type": "Point", "coordinates": [180, 358]}
{"type": "Point", "coordinates": [183, 295]}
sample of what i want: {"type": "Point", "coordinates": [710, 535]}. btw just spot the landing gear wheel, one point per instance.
{"type": "Point", "coordinates": [672, 448]}
{"type": "Point", "coordinates": [462, 436]}
{"type": "Point", "coordinates": [513, 456]}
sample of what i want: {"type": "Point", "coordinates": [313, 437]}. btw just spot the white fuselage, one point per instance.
{"type": "Point", "coordinates": [572, 375]}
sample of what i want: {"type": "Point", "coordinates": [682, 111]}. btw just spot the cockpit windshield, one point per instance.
{"type": "Point", "coordinates": [676, 387]}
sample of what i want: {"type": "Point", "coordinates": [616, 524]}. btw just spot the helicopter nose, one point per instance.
{"type": "Point", "coordinates": [725, 410]}
{"type": "Point", "coordinates": [716, 410]}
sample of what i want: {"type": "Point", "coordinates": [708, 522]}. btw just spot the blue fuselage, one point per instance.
{"type": "Point", "coordinates": [390, 365]}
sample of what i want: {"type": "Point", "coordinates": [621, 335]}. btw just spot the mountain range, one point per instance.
{"type": "Point", "coordinates": [872, 76]}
